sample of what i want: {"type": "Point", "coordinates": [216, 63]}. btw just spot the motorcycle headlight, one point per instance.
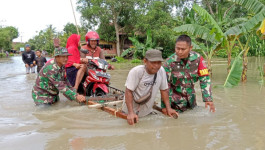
{"type": "Point", "coordinates": [94, 76]}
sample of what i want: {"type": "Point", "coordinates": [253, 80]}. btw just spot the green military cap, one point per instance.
{"type": "Point", "coordinates": [61, 52]}
{"type": "Point", "coordinates": [153, 55]}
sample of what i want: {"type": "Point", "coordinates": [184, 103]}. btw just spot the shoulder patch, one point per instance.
{"type": "Point", "coordinates": [202, 69]}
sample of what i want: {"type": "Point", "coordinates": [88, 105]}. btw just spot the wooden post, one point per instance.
{"type": "Point", "coordinates": [56, 42]}
{"type": "Point", "coordinates": [75, 18]}
{"type": "Point", "coordinates": [111, 111]}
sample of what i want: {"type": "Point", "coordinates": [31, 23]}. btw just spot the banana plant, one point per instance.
{"type": "Point", "coordinates": [225, 39]}
{"type": "Point", "coordinates": [215, 35]}
{"type": "Point", "coordinates": [247, 27]}
{"type": "Point", "coordinates": [139, 49]}
{"type": "Point", "coordinates": [244, 48]}
{"type": "Point", "coordinates": [261, 30]}
{"type": "Point", "coordinates": [234, 76]}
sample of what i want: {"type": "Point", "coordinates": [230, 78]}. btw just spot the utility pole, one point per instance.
{"type": "Point", "coordinates": [21, 35]}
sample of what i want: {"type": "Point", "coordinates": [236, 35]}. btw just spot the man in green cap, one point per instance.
{"type": "Point", "coordinates": [142, 85]}
{"type": "Point", "coordinates": [51, 80]}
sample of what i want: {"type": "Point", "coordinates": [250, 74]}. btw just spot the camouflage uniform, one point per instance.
{"type": "Point", "coordinates": [181, 79]}
{"type": "Point", "coordinates": [49, 82]}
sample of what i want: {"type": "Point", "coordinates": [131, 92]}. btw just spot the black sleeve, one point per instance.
{"type": "Point", "coordinates": [23, 57]}
{"type": "Point", "coordinates": [45, 60]}
{"type": "Point", "coordinates": [33, 57]}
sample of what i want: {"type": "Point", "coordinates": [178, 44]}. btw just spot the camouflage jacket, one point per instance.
{"type": "Point", "coordinates": [181, 79]}
{"type": "Point", "coordinates": [49, 82]}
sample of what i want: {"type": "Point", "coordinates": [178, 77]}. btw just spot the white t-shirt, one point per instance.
{"type": "Point", "coordinates": [140, 81]}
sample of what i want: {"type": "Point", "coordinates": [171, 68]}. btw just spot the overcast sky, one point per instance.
{"type": "Point", "coordinates": [31, 16]}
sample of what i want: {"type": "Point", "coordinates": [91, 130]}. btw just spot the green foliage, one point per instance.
{"type": "Point", "coordinates": [2, 55]}
{"type": "Point", "coordinates": [7, 34]}
{"type": "Point", "coordinates": [254, 6]}
{"type": "Point", "coordinates": [119, 59]}
{"type": "Point", "coordinates": [223, 10]}
{"type": "Point", "coordinates": [18, 45]}
{"type": "Point", "coordinates": [219, 35]}
{"type": "Point", "coordinates": [223, 53]}
{"type": "Point", "coordinates": [197, 30]}
{"type": "Point", "coordinates": [136, 61]}
{"type": "Point", "coordinates": [44, 40]}
{"type": "Point", "coordinates": [224, 41]}
{"type": "Point", "coordinates": [234, 76]}
{"type": "Point", "coordinates": [139, 49]}
{"type": "Point", "coordinates": [131, 18]}
{"type": "Point", "coordinates": [70, 28]}
{"type": "Point", "coordinates": [156, 16]}
{"type": "Point", "coordinates": [211, 35]}
{"type": "Point", "coordinates": [256, 45]}
{"type": "Point", "coordinates": [63, 38]}
{"type": "Point", "coordinates": [103, 13]}
{"type": "Point", "coordinates": [167, 52]}
{"type": "Point", "coordinates": [107, 32]}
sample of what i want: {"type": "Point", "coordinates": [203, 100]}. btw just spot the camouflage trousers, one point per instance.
{"type": "Point", "coordinates": [181, 102]}
{"type": "Point", "coordinates": [45, 99]}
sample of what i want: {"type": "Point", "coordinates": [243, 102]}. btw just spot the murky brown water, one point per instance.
{"type": "Point", "coordinates": [237, 124]}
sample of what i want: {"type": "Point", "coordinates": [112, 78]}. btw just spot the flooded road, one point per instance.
{"type": "Point", "coordinates": [238, 122]}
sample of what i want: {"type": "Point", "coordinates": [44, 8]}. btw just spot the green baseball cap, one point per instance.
{"type": "Point", "coordinates": [153, 55]}
{"type": "Point", "coordinates": [61, 52]}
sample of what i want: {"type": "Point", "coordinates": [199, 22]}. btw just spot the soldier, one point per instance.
{"type": "Point", "coordinates": [51, 80]}
{"type": "Point", "coordinates": [183, 69]}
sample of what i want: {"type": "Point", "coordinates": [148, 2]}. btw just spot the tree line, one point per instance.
{"type": "Point", "coordinates": [222, 28]}
{"type": "Point", "coordinates": [7, 34]}
{"type": "Point", "coordinates": [134, 18]}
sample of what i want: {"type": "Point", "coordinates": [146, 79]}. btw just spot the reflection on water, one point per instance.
{"type": "Point", "coordinates": [237, 124]}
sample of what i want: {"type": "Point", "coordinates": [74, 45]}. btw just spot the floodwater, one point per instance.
{"type": "Point", "coordinates": [237, 124]}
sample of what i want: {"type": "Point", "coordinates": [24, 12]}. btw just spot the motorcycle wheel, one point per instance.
{"type": "Point", "coordinates": [99, 92]}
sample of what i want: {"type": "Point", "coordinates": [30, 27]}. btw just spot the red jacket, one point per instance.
{"type": "Point", "coordinates": [72, 47]}
{"type": "Point", "coordinates": [98, 53]}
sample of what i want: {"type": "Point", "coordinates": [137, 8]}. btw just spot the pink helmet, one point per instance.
{"type": "Point", "coordinates": [92, 35]}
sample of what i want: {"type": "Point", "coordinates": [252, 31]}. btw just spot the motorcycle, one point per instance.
{"type": "Point", "coordinates": [96, 81]}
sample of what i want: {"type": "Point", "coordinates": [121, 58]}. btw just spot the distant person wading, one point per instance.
{"type": "Point", "coordinates": [40, 60]}
{"type": "Point", "coordinates": [28, 58]}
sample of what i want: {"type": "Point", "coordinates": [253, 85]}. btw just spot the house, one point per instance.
{"type": "Point", "coordinates": [109, 48]}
